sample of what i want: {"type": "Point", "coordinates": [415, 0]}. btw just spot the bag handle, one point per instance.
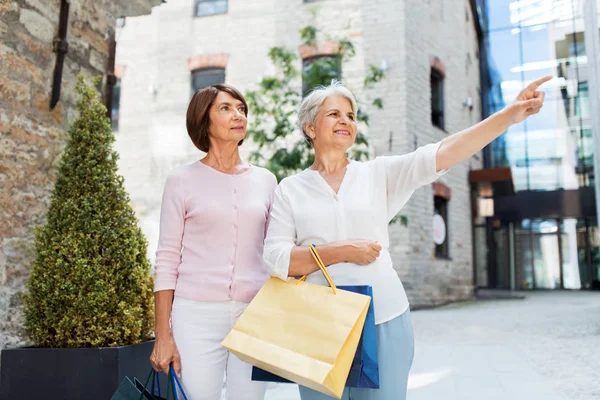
{"type": "Point", "coordinates": [150, 375]}
{"type": "Point", "coordinates": [175, 383]}
{"type": "Point", "coordinates": [321, 265]}
{"type": "Point", "coordinates": [156, 382]}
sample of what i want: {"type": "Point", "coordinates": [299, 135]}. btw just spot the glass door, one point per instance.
{"type": "Point", "coordinates": [524, 257]}
{"type": "Point", "coordinates": [593, 235]}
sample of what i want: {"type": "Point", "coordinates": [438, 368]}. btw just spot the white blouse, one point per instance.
{"type": "Point", "coordinates": [306, 210]}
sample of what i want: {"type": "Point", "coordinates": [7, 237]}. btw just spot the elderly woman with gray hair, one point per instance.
{"type": "Point", "coordinates": [344, 206]}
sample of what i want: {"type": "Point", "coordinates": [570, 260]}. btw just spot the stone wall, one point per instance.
{"type": "Point", "coordinates": [32, 136]}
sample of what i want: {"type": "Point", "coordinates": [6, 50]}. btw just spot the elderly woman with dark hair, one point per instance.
{"type": "Point", "coordinates": [344, 206]}
{"type": "Point", "coordinates": [209, 261]}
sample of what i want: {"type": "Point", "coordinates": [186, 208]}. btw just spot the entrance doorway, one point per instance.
{"type": "Point", "coordinates": [544, 254]}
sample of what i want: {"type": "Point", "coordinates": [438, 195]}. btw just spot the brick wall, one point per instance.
{"type": "Point", "coordinates": [450, 37]}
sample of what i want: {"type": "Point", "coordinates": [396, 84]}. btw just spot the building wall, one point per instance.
{"type": "Point", "coordinates": [436, 29]}
{"type": "Point", "coordinates": [399, 36]}
{"type": "Point", "coordinates": [31, 136]}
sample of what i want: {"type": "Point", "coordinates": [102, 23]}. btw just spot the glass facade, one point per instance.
{"type": "Point", "coordinates": [526, 40]}
{"type": "Point", "coordinates": [549, 153]}
{"type": "Point", "coordinates": [555, 254]}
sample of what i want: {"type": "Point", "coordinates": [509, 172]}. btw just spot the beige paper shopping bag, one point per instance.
{"type": "Point", "coordinates": [303, 332]}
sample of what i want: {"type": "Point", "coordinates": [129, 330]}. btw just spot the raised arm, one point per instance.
{"type": "Point", "coordinates": [464, 144]}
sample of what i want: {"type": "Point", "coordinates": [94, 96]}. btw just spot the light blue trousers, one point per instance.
{"type": "Point", "coordinates": [395, 350]}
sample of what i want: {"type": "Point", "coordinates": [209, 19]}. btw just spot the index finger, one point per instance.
{"type": "Point", "coordinates": [538, 82]}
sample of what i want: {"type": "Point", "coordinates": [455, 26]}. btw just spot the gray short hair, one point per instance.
{"type": "Point", "coordinates": [310, 106]}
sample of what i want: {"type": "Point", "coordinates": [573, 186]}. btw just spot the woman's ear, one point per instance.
{"type": "Point", "coordinates": [310, 130]}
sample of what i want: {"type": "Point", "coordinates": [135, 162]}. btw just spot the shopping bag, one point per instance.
{"type": "Point", "coordinates": [135, 390]}
{"type": "Point", "coordinates": [129, 390]}
{"type": "Point", "coordinates": [364, 372]}
{"type": "Point", "coordinates": [301, 331]}
{"type": "Point", "coordinates": [154, 393]}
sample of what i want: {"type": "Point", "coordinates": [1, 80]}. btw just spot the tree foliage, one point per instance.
{"type": "Point", "coordinates": [280, 146]}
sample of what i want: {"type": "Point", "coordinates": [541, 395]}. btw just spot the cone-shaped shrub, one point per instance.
{"type": "Point", "coordinates": [90, 285]}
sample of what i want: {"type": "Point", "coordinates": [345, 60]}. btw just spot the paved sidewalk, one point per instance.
{"type": "Point", "coordinates": [545, 347]}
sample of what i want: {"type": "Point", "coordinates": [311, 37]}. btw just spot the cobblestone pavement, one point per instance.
{"type": "Point", "coordinates": [545, 347]}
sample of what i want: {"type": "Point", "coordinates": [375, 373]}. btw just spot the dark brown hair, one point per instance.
{"type": "Point", "coordinates": [198, 113]}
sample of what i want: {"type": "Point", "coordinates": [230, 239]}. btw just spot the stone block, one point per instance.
{"type": "Point", "coordinates": [38, 25]}
{"type": "Point", "coordinates": [83, 31]}
{"type": "Point", "coordinates": [38, 52]}
{"type": "Point", "coordinates": [49, 8]}
{"type": "Point", "coordinates": [15, 91]}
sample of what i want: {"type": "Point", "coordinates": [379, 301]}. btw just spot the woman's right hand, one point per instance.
{"type": "Point", "coordinates": [362, 252]}
{"type": "Point", "coordinates": [164, 354]}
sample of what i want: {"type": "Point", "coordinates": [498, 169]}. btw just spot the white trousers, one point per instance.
{"type": "Point", "coordinates": [198, 330]}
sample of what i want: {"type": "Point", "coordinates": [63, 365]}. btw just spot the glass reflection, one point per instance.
{"type": "Point", "coordinates": [524, 258]}
{"type": "Point", "coordinates": [499, 13]}
{"type": "Point", "coordinates": [594, 238]}
{"type": "Point", "coordinates": [570, 254]}
{"type": "Point", "coordinates": [529, 39]}
{"type": "Point", "coordinates": [546, 260]}
{"type": "Point", "coordinates": [502, 260]}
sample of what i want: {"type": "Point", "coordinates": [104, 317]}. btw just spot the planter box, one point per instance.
{"type": "Point", "coordinates": [65, 374]}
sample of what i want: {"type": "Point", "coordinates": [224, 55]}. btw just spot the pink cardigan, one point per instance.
{"type": "Point", "coordinates": [212, 228]}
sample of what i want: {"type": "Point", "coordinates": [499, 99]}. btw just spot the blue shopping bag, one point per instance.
{"type": "Point", "coordinates": [364, 372]}
{"type": "Point", "coordinates": [137, 390]}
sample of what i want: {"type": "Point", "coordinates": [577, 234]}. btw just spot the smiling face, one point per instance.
{"type": "Point", "coordinates": [227, 119]}
{"type": "Point", "coordinates": [335, 125]}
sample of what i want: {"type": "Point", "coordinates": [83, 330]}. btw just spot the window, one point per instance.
{"type": "Point", "coordinates": [440, 227]}
{"type": "Point", "coordinates": [320, 70]}
{"type": "Point", "coordinates": [585, 156]}
{"type": "Point", "coordinates": [204, 8]}
{"type": "Point", "coordinates": [116, 102]}
{"type": "Point", "coordinates": [437, 99]}
{"type": "Point", "coordinates": [582, 101]}
{"type": "Point", "coordinates": [202, 78]}
{"type": "Point", "coordinates": [576, 46]}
